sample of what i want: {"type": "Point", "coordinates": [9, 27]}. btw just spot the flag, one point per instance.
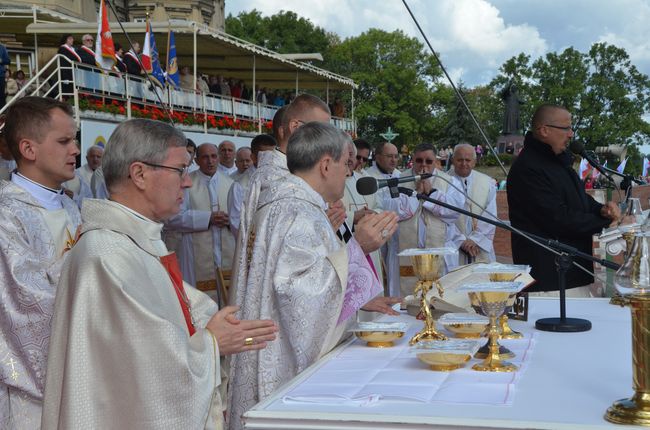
{"type": "Point", "coordinates": [646, 164]}
{"type": "Point", "coordinates": [104, 47]}
{"type": "Point", "coordinates": [621, 167]}
{"type": "Point", "coordinates": [150, 60]}
{"type": "Point", "coordinates": [173, 78]}
{"type": "Point", "coordinates": [585, 169]}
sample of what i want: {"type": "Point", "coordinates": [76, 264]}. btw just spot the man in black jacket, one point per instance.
{"type": "Point", "coordinates": [547, 198]}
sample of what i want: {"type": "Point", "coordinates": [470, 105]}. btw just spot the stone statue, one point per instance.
{"type": "Point", "coordinates": [511, 122]}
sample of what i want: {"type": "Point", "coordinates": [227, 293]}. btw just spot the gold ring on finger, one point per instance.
{"type": "Point", "coordinates": [248, 341]}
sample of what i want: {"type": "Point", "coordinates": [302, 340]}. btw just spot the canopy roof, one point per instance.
{"type": "Point", "coordinates": [217, 53]}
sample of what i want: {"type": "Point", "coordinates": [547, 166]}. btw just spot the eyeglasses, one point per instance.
{"type": "Point", "coordinates": [567, 128]}
{"type": "Point", "coordinates": [182, 172]}
{"type": "Point", "coordinates": [427, 161]}
{"type": "Point", "coordinates": [360, 158]}
{"type": "Point", "coordinates": [89, 40]}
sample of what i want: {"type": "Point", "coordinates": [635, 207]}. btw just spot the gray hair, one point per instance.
{"type": "Point", "coordinates": [137, 140]}
{"type": "Point", "coordinates": [464, 145]}
{"type": "Point", "coordinates": [94, 147]}
{"type": "Point", "coordinates": [311, 142]}
{"type": "Point", "coordinates": [242, 149]}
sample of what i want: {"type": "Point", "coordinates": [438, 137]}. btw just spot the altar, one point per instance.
{"type": "Point", "coordinates": [567, 382]}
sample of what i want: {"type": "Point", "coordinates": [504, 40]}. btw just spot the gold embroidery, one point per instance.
{"type": "Point", "coordinates": [71, 241]}
{"type": "Point", "coordinates": [249, 246]}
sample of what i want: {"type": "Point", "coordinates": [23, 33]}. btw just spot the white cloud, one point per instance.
{"type": "Point", "coordinates": [471, 35]}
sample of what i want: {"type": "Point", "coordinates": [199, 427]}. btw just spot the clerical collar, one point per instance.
{"type": "Point", "coordinates": [47, 197]}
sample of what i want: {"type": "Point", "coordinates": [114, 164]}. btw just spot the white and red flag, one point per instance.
{"type": "Point", "coordinates": [104, 47]}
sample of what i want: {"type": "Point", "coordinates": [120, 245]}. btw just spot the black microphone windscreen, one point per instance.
{"type": "Point", "coordinates": [366, 186]}
{"type": "Point", "coordinates": [576, 147]}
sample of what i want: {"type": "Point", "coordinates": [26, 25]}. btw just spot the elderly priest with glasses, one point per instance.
{"type": "Point", "coordinates": [132, 346]}
{"type": "Point", "coordinates": [431, 226]}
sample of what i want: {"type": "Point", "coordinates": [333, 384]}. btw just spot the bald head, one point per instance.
{"type": "Point", "coordinates": [94, 157]}
{"type": "Point", "coordinates": [552, 126]}
{"type": "Point", "coordinates": [386, 156]}
{"type": "Point", "coordinates": [207, 158]}
{"type": "Point", "coordinates": [227, 153]}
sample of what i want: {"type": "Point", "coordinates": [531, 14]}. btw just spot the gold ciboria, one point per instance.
{"type": "Point", "coordinates": [428, 265]}
{"type": "Point", "coordinates": [493, 297]}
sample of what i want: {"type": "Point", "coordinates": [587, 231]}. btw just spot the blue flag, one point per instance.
{"type": "Point", "coordinates": [156, 71]}
{"type": "Point", "coordinates": [173, 77]}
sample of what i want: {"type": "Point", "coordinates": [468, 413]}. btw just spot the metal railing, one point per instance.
{"type": "Point", "coordinates": [66, 80]}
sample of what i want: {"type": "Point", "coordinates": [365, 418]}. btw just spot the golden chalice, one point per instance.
{"type": "Point", "coordinates": [427, 267]}
{"type": "Point", "coordinates": [506, 331]}
{"type": "Point", "coordinates": [493, 304]}
{"type": "Point", "coordinates": [484, 351]}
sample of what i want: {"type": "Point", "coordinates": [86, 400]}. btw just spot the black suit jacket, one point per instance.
{"type": "Point", "coordinates": [547, 198]}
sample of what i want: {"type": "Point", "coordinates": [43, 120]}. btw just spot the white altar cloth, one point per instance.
{"type": "Point", "coordinates": [569, 382]}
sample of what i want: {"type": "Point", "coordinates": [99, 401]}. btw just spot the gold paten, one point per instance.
{"type": "Point", "coordinates": [379, 339]}
{"type": "Point", "coordinates": [444, 361]}
{"type": "Point", "coordinates": [493, 304]}
{"type": "Point", "coordinates": [636, 410]}
{"type": "Point", "coordinates": [427, 268]}
{"type": "Point", "coordinates": [506, 331]}
{"type": "Point", "coordinates": [467, 330]}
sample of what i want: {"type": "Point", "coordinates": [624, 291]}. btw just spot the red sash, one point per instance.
{"type": "Point", "coordinates": [170, 263]}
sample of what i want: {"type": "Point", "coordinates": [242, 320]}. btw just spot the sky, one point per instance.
{"type": "Point", "coordinates": [474, 37]}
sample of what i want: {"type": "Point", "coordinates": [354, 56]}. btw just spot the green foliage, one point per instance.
{"type": "Point", "coordinates": [490, 160]}
{"type": "Point", "coordinates": [395, 76]}
{"type": "Point", "coordinates": [605, 93]}
{"type": "Point", "coordinates": [285, 32]}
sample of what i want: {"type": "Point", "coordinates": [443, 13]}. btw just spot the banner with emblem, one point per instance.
{"type": "Point", "coordinates": [173, 77]}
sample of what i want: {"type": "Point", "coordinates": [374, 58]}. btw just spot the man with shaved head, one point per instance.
{"type": "Point", "coordinates": [385, 167]}
{"type": "Point", "coordinates": [243, 162]}
{"type": "Point", "coordinates": [547, 198]}
{"type": "Point", "coordinates": [227, 158]}
{"type": "Point", "coordinates": [473, 238]}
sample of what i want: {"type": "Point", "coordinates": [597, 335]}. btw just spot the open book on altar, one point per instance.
{"type": "Point", "coordinates": [454, 301]}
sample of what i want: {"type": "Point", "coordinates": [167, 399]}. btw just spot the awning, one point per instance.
{"type": "Point", "coordinates": [217, 53]}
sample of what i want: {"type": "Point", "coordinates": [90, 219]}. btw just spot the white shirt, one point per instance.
{"type": "Point", "coordinates": [226, 170]}
{"type": "Point", "coordinates": [49, 198]}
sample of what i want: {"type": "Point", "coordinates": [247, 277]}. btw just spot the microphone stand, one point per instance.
{"type": "Point", "coordinates": [563, 261]}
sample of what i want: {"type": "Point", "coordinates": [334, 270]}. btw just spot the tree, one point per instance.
{"type": "Point", "coordinates": [395, 77]}
{"type": "Point", "coordinates": [605, 93]}
{"type": "Point", "coordinates": [284, 32]}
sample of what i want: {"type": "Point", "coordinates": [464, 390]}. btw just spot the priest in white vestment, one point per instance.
{"type": "Point", "coordinates": [132, 345]}
{"type": "Point", "coordinates": [385, 167]}
{"type": "Point", "coordinates": [473, 238]}
{"type": "Point", "coordinates": [271, 168]}
{"type": "Point", "coordinates": [260, 143]}
{"type": "Point", "coordinates": [357, 206]}
{"type": "Point", "coordinates": [432, 226]}
{"type": "Point", "coordinates": [300, 274]}
{"type": "Point", "coordinates": [93, 161]}
{"type": "Point", "coordinates": [207, 242]}
{"type": "Point", "coordinates": [243, 161]}
{"type": "Point", "coordinates": [38, 224]}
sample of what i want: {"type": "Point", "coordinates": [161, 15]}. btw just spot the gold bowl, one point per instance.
{"type": "Point", "coordinates": [379, 339]}
{"type": "Point", "coordinates": [466, 330]}
{"type": "Point", "coordinates": [443, 361]}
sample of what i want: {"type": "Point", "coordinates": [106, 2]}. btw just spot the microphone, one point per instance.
{"type": "Point", "coordinates": [579, 149]}
{"type": "Point", "coordinates": [369, 185]}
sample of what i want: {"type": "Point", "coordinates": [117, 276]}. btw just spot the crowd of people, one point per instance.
{"type": "Point", "coordinates": [112, 274]}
